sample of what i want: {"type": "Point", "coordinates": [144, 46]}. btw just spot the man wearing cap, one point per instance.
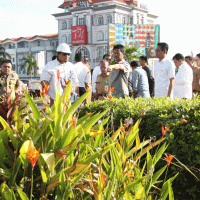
{"type": "Point", "coordinates": [58, 71]}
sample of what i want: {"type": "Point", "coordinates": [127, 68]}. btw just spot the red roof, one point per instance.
{"type": "Point", "coordinates": [70, 3]}
{"type": "Point", "coordinates": [30, 37]}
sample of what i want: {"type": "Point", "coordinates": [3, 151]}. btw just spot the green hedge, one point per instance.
{"type": "Point", "coordinates": [183, 117]}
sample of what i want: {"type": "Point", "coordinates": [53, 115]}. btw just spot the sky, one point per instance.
{"type": "Point", "coordinates": [178, 21]}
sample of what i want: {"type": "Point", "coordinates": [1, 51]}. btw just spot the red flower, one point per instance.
{"type": "Point", "coordinates": [58, 74]}
{"type": "Point", "coordinates": [74, 121]}
{"type": "Point", "coordinates": [110, 93]}
{"type": "Point", "coordinates": [45, 89]}
{"type": "Point", "coordinates": [164, 130]}
{"type": "Point", "coordinates": [169, 159]}
{"type": "Point", "coordinates": [32, 155]}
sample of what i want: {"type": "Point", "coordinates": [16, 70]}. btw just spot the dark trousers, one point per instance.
{"type": "Point", "coordinates": [81, 91]}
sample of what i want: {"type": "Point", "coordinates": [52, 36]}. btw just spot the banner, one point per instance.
{"type": "Point", "coordinates": [40, 59]}
{"type": "Point", "coordinates": [143, 36]}
{"type": "Point", "coordinates": [79, 34]}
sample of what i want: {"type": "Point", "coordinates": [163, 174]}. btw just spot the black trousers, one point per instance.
{"type": "Point", "coordinates": [81, 91]}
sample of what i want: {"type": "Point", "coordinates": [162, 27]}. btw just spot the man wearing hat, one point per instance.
{"type": "Point", "coordinates": [58, 71]}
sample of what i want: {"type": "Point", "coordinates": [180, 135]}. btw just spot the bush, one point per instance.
{"type": "Point", "coordinates": [183, 118]}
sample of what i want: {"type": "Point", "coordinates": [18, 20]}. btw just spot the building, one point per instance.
{"type": "Point", "coordinates": [94, 17]}
{"type": "Point", "coordinates": [18, 47]}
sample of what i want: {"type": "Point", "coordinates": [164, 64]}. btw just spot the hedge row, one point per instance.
{"type": "Point", "coordinates": [183, 118]}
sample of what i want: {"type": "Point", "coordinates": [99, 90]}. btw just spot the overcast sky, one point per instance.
{"type": "Point", "coordinates": [178, 20]}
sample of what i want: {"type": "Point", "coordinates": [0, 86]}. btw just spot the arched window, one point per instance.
{"type": "Point", "coordinates": [100, 20]}
{"type": "Point", "coordinates": [64, 25]}
{"type": "Point", "coordinates": [100, 36]}
{"type": "Point", "coordinates": [64, 39]}
{"type": "Point", "coordinates": [109, 19]}
{"type": "Point", "coordinates": [84, 51]}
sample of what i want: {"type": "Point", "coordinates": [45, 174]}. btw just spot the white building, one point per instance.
{"type": "Point", "coordinates": [18, 47]}
{"type": "Point", "coordinates": [97, 15]}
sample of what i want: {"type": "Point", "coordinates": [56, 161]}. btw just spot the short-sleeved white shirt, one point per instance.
{"type": "Point", "coordinates": [183, 82]}
{"type": "Point", "coordinates": [164, 70]}
{"type": "Point", "coordinates": [83, 74]}
{"type": "Point", "coordinates": [96, 72]}
{"type": "Point", "coordinates": [50, 74]}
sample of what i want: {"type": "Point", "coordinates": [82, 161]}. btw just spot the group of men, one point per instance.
{"type": "Point", "coordinates": [133, 79]}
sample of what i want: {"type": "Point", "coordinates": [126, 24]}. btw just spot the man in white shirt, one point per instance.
{"type": "Point", "coordinates": [97, 71]}
{"type": "Point", "coordinates": [164, 72]}
{"type": "Point", "coordinates": [83, 73]}
{"type": "Point", "coordinates": [183, 78]}
{"type": "Point", "coordinates": [58, 71]}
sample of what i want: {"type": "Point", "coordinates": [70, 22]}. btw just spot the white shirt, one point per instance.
{"type": "Point", "coordinates": [50, 74]}
{"type": "Point", "coordinates": [96, 72]}
{"type": "Point", "coordinates": [164, 70]}
{"type": "Point", "coordinates": [183, 82]}
{"type": "Point", "coordinates": [83, 74]}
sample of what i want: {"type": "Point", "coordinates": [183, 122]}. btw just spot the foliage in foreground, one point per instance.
{"type": "Point", "coordinates": [183, 118]}
{"type": "Point", "coordinates": [77, 158]}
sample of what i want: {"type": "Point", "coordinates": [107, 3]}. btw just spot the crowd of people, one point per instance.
{"type": "Point", "coordinates": [178, 77]}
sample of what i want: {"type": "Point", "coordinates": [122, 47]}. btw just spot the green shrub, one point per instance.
{"type": "Point", "coordinates": [183, 118]}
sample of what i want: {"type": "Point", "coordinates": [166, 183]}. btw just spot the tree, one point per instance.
{"type": "Point", "coordinates": [129, 53]}
{"type": "Point", "coordinates": [30, 64]}
{"type": "Point", "coordinates": [3, 54]}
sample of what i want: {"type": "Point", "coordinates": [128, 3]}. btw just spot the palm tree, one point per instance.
{"type": "Point", "coordinates": [3, 54]}
{"type": "Point", "coordinates": [130, 53]}
{"type": "Point", "coordinates": [30, 64]}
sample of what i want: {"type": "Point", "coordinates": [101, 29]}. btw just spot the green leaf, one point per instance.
{"type": "Point", "coordinates": [6, 192]}
{"type": "Point", "coordinates": [5, 173]}
{"type": "Point", "coordinates": [49, 158]}
{"type": "Point", "coordinates": [159, 154]}
{"type": "Point", "coordinates": [1, 150]}
{"type": "Point", "coordinates": [62, 180]}
{"type": "Point", "coordinates": [149, 161]}
{"type": "Point", "coordinates": [34, 108]}
{"type": "Point", "coordinates": [171, 194]}
{"type": "Point", "coordinates": [9, 131]}
{"type": "Point", "coordinates": [22, 194]}
{"type": "Point", "coordinates": [111, 185]}
{"type": "Point", "coordinates": [165, 191]}
{"type": "Point", "coordinates": [16, 169]}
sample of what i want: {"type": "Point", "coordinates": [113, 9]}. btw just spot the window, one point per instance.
{"type": "Point", "coordinates": [84, 52]}
{"type": "Point", "coordinates": [100, 20]}
{"type": "Point", "coordinates": [81, 21]}
{"type": "Point", "coordinates": [64, 25]}
{"type": "Point", "coordinates": [64, 39]}
{"type": "Point", "coordinates": [138, 18]}
{"type": "Point", "coordinates": [100, 36]}
{"type": "Point", "coordinates": [93, 20]}
{"type": "Point", "coordinates": [124, 20]}
{"type": "Point", "coordinates": [131, 20]}
{"type": "Point", "coordinates": [101, 52]}
{"type": "Point", "coordinates": [38, 44]}
{"type": "Point", "coordinates": [70, 24]}
{"type": "Point", "coordinates": [69, 39]}
{"type": "Point", "coordinates": [142, 19]}
{"type": "Point", "coordinates": [109, 19]}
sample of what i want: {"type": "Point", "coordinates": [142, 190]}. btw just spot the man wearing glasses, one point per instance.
{"type": "Point", "coordinates": [164, 72]}
{"type": "Point", "coordinates": [58, 71]}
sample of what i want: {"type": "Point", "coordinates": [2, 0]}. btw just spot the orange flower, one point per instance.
{"type": "Point", "coordinates": [45, 89]}
{"type": "Point", "coordinates": [58, 74]}
{"type": "Point", "coordinates": [169, 159]}
{"type": "Point", "coordinates": [110, 93]}
{"type": "Point", "coordinates": [164, 130]}
{"type": "Point", "coordinates": [184, 121]}
{"type": "Point", "coordinates": [74, 121]}
{"type": "Point", "coordinates": [61, 154]}
{"type": "Point", "coordinates": [32, 155]}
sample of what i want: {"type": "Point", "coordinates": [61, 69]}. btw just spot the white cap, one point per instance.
{"type": "Point", "coordinates": [64, 48]}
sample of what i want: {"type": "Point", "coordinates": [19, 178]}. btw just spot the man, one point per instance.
{"type": "Point", "coordinates": [102, 82]}
{"type": "Point", "coordinates": [140, 81]}
{"type": "Point", "coordinates": [119, 72]}
{"type": "Point", "coordinates": [57, 71]}
{"type": "Point", "coordinates": [83, 73]}
{"type": "Point", "coordinates": [97, 71]}
{"type": "Point", "coordinates": [143, 63]}
{"type": "Point", "coordinates": [196, 74]}
{"type": "Point", "coordinates": [9, 80]}
{"type": "Point", "coordinates": [183, 78]}
{"type": "Point", "coordinates": [148, 46]}
{"type": "Point", "coordinates": [164, 72]}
